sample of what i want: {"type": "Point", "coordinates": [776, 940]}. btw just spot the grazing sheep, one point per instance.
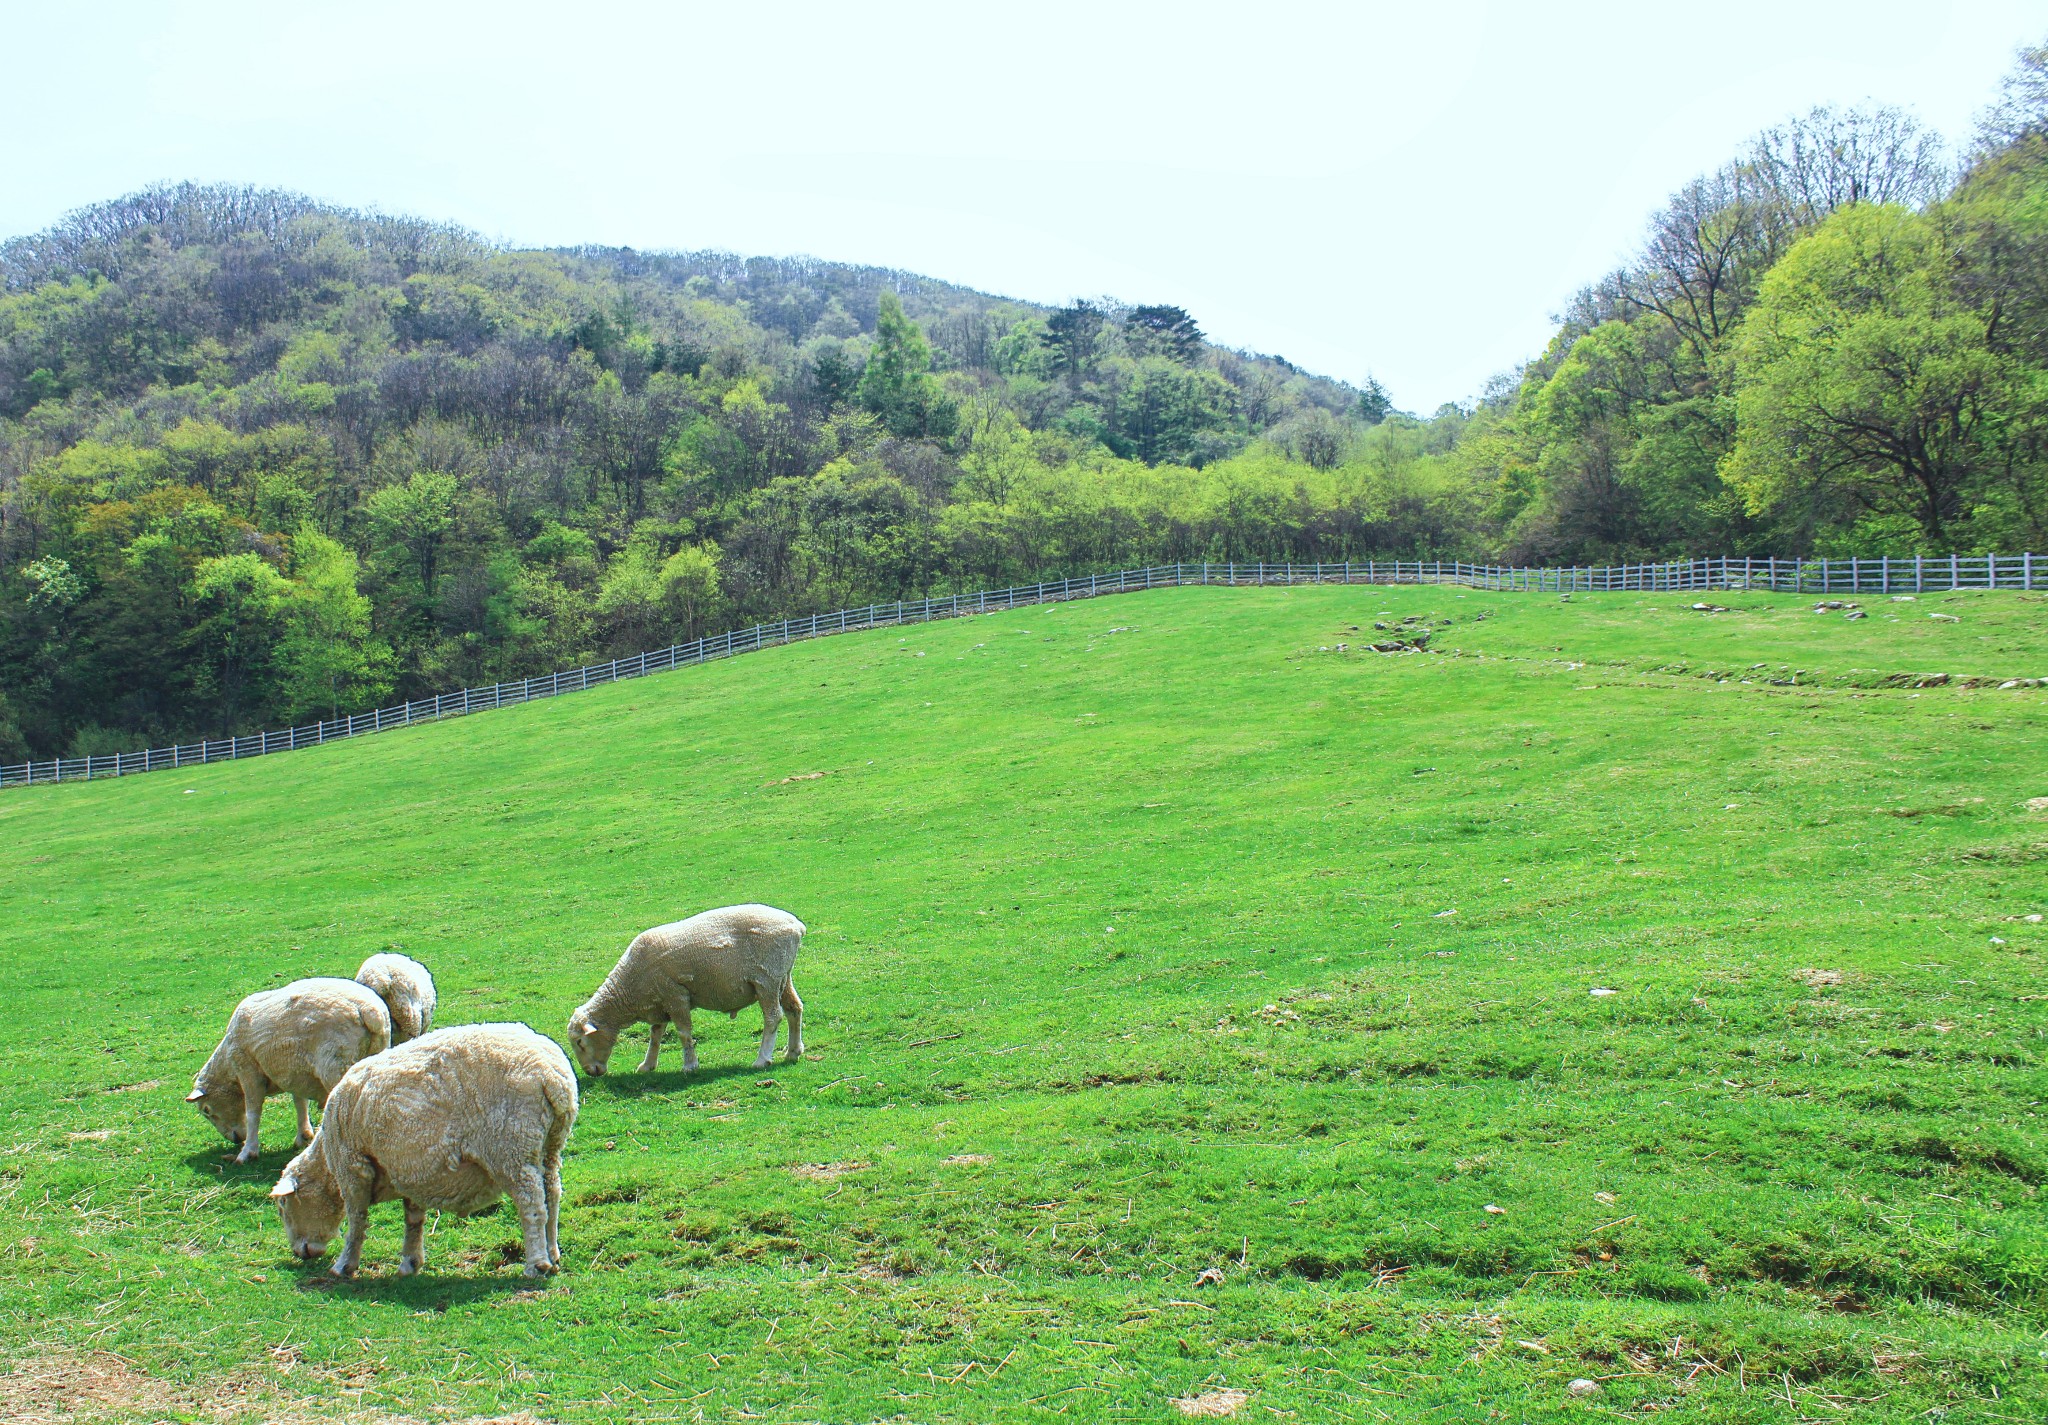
{"type": "Point", "coordinates": [723, 959]}
{"type": "Point", "coordinates": [299, 1040]}
{"type": "Point", "coordinates": [452, 1121]}
{"type": "Point", "coordinates": [407, 991]}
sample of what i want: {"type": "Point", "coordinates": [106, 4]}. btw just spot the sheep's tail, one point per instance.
{"type": "Point", "coordinates": [561, 1099]}
{"type": "Point", "coordinates": [405, 1021]}
{"type": "Point", "coordinates": [377, 1036]}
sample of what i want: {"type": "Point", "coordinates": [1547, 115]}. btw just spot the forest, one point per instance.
{"type": "Point", "coordinates": [264, 459]}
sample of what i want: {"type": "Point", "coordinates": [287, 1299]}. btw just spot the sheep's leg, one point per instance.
{"type": "Point", "coordinates": [771, 1020]}
{"type": "Point", "coordinates": [357, 1181]}
{"type": "Point", "coordinates": [677, 1002]}
{"type": "Point", "coordinates": [530, 1194]}
{"type": "Point", "coordinates": [357, 1207]}
{"type": "Point", "coordinates": [794, 1008]}
{"type": "Point", "coordinates": [655, 1026]}
{"type": "Point", "coordinates": [415, 1255]}
{"type": "Point", "coordinates": [553, 1175]}
{"type": "Point", "coordinates": [252, 1120]}
{"type": "Point", "coordinates": [305, 1123]}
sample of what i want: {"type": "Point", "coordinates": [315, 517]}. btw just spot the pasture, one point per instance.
{"type": "Point", "coordinates": [1198, 1011]}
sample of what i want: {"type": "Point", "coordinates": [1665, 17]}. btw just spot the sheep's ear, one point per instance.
{"type": "Point", "coordinates": [195, 1095]}
{"type": "Point", "coordinates": [286, 1186]}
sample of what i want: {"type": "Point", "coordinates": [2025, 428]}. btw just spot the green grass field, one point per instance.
{"type": "Point", "coordinates": [1150, 937]}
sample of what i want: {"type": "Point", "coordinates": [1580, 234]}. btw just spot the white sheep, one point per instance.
{"type": "Point", "coordinates": [299, 1039]}
{"type": "Point", "coordinates": [451, 1121]}
{"type": "Point", "coordinates": [407, 991]}
{"type": "Point", "coordinates": [723, 959]}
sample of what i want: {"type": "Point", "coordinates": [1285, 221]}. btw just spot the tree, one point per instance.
{"type": "Point", "coordinates": [242, 599]}
{"type": "Point", "coordinates": [1163, 331]}
{"type": "Point", "coordinates": [1070, 336]}
{"type": "Point", "coordinates": [646, 601]}
{"type": "Point", "coordinates": [413, 520]}
{"type": "Point", "coordinates": [2021, 110]}
{"type": "Point", "coordinates": [327, 657]}
{"type": "Point", "coordinates": [1374, 405]}
{"type": "Point", "coordinates": [1862, 376]}
{"type": "Point", "coordinates": [690, 592]}
{"type": "Point", "coordinates": [1834, 157]}
{"type": "Point", "coordinates": [834, 375]}
{"type": "Point", "coordinates": [897, 384]}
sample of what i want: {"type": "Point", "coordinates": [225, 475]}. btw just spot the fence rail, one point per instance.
{"type": "Point", "coordinates": [1888, 575]}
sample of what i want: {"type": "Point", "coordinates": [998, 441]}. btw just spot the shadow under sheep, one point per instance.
{"type": "Point", "coordinates": [631, 1083]}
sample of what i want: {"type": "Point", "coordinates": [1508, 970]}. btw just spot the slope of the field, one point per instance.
{"type": "Point", "coordinates": [1194, 1006]}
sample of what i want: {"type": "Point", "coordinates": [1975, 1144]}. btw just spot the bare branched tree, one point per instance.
{"type": "Point", "coordinates": [2021, 109]}
{"type": "Point", "coordinates": [1834, 157]}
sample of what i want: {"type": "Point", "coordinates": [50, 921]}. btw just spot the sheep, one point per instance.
{"type": "Point", "coordinates": [452, 1121]}
{"type": "Point", "coordinates": [299, 1039]}
{"type": "Point", "coordinates": [407, 991]}
{"type": "Point", "coordinates": [722, 959]}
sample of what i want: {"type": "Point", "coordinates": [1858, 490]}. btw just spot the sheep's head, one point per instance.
{"type": "Point", "coordinates": [591, 1043]}
{"type": "Point", "coordinates": [223, 1106]}
{"type": "Point", "coordinates": [309, 1202]}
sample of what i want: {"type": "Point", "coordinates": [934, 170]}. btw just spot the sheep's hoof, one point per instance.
{"type": "Point", "coordinates": [540, 1269]}
{"type": "Point", "coordinates": [408, 1265]}
{"type": "Point", "coordinates": [245, 1156]}
{"type": "Point", "coordinates": [343, 1270]}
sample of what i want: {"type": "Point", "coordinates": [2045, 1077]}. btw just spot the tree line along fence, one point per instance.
{"type": "Point", "coordinates": [1884, 575]}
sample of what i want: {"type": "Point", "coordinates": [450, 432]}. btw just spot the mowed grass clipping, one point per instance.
{"type": "Point", "coordinates": [1195, 1007]}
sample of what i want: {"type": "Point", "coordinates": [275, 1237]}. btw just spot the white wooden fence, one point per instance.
{"type": "Point", "coordinates": [1891, 575]}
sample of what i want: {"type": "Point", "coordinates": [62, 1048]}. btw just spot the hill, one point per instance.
{"type": "Point", "coordinates": [261, 456]}
{"type": "Point", "coordinates": [1151, 937]}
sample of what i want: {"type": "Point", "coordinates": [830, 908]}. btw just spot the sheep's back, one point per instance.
{"type": "Point", "coordinates": [455, 1113]}
{"type": "Point", "coordinates": [723, 957]}
{"type": "Point", "coordinates": [309, 1029]}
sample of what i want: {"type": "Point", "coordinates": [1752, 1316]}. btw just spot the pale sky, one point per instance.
{"type": "Point", "coordinates": [1406, 189]}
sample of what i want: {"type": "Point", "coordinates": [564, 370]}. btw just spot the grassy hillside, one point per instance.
{"type": "Point", "coordinates": [1150, 936]}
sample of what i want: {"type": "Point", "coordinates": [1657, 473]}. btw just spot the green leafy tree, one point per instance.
{"type": "Point", "coordinates": [1861, 375]}
{"type": "Point", "coordinates": [1070, 340]}
{"type": "Point", "coordinates": [897, 384]}
{"type": "Point", "coordinates": [1162, 331]}
{"type": "Point", "coordinates": [412, 522]}
{"type": "Point", "coordinates": [1374, 405]}
{"type": "Point", "coordinates": [242, 601]}
{"type": "Point", "coordinates": [327, 657]}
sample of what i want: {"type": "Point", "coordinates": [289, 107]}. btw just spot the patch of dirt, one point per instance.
{"type": "Point", "coordinates": [962, 1160]}
{"type": "Point", "coordinates": [1818, 979]}
{"type": "Point", "coordinates": [2037, 803]}
{"type": "Point", "coordinates": [1951, 809]}
{"type": "Point", "coordinates": [143, 1087]}
{"type": "Point", "coordinates": [63, 1388]}
{"type": "Point", "coordinates": [799, 777]}
{"type": "Point", "coordinates": [1211, 1404]}
{"type": "Point", "coordinates": [85, 1388]}
{"type": "Point", "coordinates": [826, 1172]}
{"type": "Point", "coordinates": [89, 1135]}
